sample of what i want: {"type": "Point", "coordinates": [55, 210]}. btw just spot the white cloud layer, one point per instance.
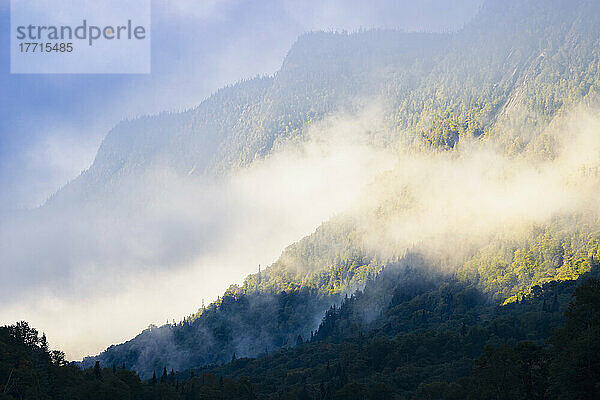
{"type": "Point", "coordinates": [92, 275]}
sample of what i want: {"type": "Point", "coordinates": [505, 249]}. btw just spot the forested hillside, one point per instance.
{"type": "Point", "coordinates": [506, 75]}
{"type": "Point", "coordinates": [434, 341]}
{"type": "Point", "coordinates": [323, 73]}
{"type": "Point", "coordinates": [430, 337]}
{"type": "Point", "coordinates": [505, 80]}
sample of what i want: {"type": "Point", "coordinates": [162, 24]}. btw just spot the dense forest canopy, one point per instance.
{"type": "Point", "coordinates": [435, 339]}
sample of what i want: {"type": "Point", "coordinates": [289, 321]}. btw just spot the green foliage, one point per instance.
{"type": "Point", "coordinates": [28, 370]}
{"type": "Point", "coordinates": [561, 250]}
{"type": "Point", "coordinates": [575, 370]}
{"type": "Point", "coordinates": [489, 352]}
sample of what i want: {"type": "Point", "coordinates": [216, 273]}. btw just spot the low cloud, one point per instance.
{"type": "Point", "coordinates": [94, 273]}
{"type": "Point", "coordinates": [447, 204]}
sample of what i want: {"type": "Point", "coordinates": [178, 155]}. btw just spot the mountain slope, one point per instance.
{"type": "Point", "coordinates": [431, 341]}
{"type": "Point", "coordinates": [502, 79]}
{"type": "Point", "coordinates": [323, 73]}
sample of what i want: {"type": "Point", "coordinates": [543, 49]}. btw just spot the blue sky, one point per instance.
{"type": "Point", "coordinates": [51, 125]}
